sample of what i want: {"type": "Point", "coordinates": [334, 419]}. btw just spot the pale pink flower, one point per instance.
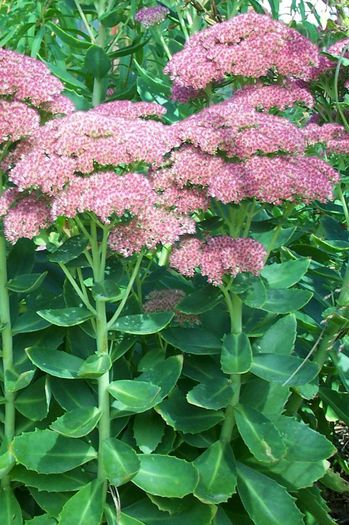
{"type": "Point", "coordinates": [17, 121]}
{"type": "Point", "coordinates": [150, 16]}
{"type": "Point", "coordinates": [218, 256]}
{"type": "Point", "coordinates": [264, 98]}
{"type": "Point", "coordinates": [130, 110]}
{"type": "Point", "coordinates": [26, 218]}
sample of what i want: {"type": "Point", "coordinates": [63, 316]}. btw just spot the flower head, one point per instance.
{"type": "Point", "coordinates": [218, 256]}
{"type": "Point", "coordinates": [150, 16]}
{"type": "Point", "coordinates": [26, 218]}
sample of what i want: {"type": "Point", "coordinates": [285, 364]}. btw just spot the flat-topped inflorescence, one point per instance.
{"type": "Point", "coordinates": [248, 45]}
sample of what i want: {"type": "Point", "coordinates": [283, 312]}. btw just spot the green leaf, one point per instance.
{"type": "Point", "coordinates": [26, 283]}
{"type": "Point", "coordinates": [341, 361]}
{"type": "Point", "coordinates": [128, 50]}
{"type": "Point", "coordinates": [271, 398]}
{"type": "Point", "coordinates": [280, 301]}
{"type": "Point", "coordinates": [200, 301]}
{"type": "Point", "coordinates": [310, 500]}
{"type": "Point", "coordinates": [212, 395]}
{"type": "Point", "coordinates": [259, 434]}
{"type": "Point", "coordinates": [6, 463]}
{"type": "Point", "coordinates": [66, 316]}
{"type": "Point", "coordinates": [77, 423]}
{"type": "Point", "coordinates": [97, 62]}
{"type": "Point", "coordinates": [166, 476]}
{"type": "Point", "coordinates": [280, 337]}
{"type": "Point", "coordinates": [29, 322]}
{"type": "Point", "coordinates": [50, 502]}
{"type": "Point", "coordinates": [72, 394]}
{"type": "Point", "coordinates": [33, 402]}
{"type": "Point", "coordinates": [187, 418]}
{"type": "Point", "coordinates": [134, 396]}
{"type": "Point", "coordinates": [143, 324]}
{"type": "Point", "coordinates": [119, 461]}
{"type": "Point", "coordinates": [48, 452]}
{"type": "Point", "coordinates": [65, 76]}
{"type": "Point", "coordinates": [193, 340]}
{"type": "Point", "coordinates": [285, 274]}
{"type": "Point", "coordinates": [194, 512]}
{"type": "Point", "coordinates": [107, 290]}
{"type": "Point", "coordinates": [85, 507]}
{"type": "Point", "coordinates": [95, 366]}
{"type": "Point", "coordinates": [69, 481]}
{"type": "Point", "coordinates": [279, 369]}
{"type": "Point", "coordinates": [10, 511]}
{"type": "Point", "coordinates": [148, 431]}
{"type": "Point", "coordinates": [165, 375]}
{"type": "Point", "coordinates": [56, 363]}
{"type": "Point", "coordinates": [303, 443]}
{"type": "Point", "coordinates": [127, 520]}
{"type": "Point", "coordinates": [338, 401]}
{"type": "Point", "coordinates": [69, 250]}
{"type": "Point", "coordinates": [217, 474]}
{"type": "Point", "coordinates": [67, 38]}
{"type": "Point", "coordinates": [44, 519]}
{"type": "Point", "coordinates": [16, 381]}
{"type": "Point", "coordinates": [236, 355]}
{"type": "Point", "coordinates": [266, 502]}
{"type": "Point", "coordinates": [295, 475]}
{"type": "Point", "coordinates": [333, 481]}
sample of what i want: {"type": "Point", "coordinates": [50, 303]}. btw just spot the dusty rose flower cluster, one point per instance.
{"type": "Point", "coordinates": [248, 45]}
{"type": "Point", "coordinates": [80, 163]}
{"type": "Point", "coordinates": [167, 300]}
{"type": "Point", "coordinates": [218, 256]}
{"type": "Point", "coordinates": [130, 110]}
{"type": "Point", "coordinates": [150, 16]}
{"type": "Point", "coordinates": [326, 63]}
{"type": "Point", "coordinates": [333, 137]}
{"type": "Point", "coordinates": [265, 97]}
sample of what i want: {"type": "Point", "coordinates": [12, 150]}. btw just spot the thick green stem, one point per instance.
{"type": "Point", "coordinates": [234, 306]}
{"type": "Point", "coordinates": [98, 88]}
{"type": "Point", "coordinates": [7, 350]}
{"type": "Point", "coordinates": [98, 256]}
{"type": "Point", "coordinates": [343, 299]}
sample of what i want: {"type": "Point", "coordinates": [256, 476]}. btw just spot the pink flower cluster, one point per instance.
{"type": "Point", "coordinates": [239, 132]}
{"type": "Point", "coordinates": [17, 121]}
{"type": "Point", "coordinates": [248, 45]}
{"type": "Point", "coordinates": [150, 16]}
{"type": "Point", "coordinates": [333, 136]}
{"type": "Point", "coordinates": [218, 256]}
{"type": "Point", "coordinates": [130, 110]}
{"type": "Point", "coordinates": [166, 301]}
{"type": "Point", "coordinates": [268, 179]}
{"type": "Point", "coordinates": [26, 218]}
{"type": "Point", "coordinates": [326, 63]}
{"type": "Point", "coordinates": [28, 79]}
{"type": "Point", "coordinates": [150, 228]}
{"type": "Point", "coordinates": [265, 97]}
{"type": "Point", "coordinates": [104, 194]}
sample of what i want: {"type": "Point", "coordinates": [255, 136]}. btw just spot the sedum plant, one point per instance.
{"type": "Point", "coordinates": [161, 368]}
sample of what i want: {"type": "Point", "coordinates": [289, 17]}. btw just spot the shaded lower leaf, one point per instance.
{"type": "Point", "coordinates": [33, 402]}
{"type": "Point", "coordinates": [164, 374]}
{"type": "Point", "coordinates": [338, 401]}
{"type": "Point", "coordinates": [56, 363]}
{"type": "Point", "coordinates": [284, 301]}
{"type": "Point", "coordinates": [133, 396]}
{"type": "Point", "coordinates": [310, 500]}
{"type": "Point", "coordinates": [44, 519]}
{"type": "Point", "coordinates": [265, 501]}
{"type": "Point", "coordinates": [211, 395]}
{"type": "Point", "coordinates": [119, 460]}
{"type": "Point", "coordinates": [143, 324]}
{"type": "Point", "coordinates": [280, 337]}
{"type": "Point", "coordinates": [185, 417]}
{"type": "Point", "coordinates": [148, 431]}
{"type": "Point", "coordinates": [78, 422]}
{"type": "Point", "coordinates": [193, 340]}
{"type": "Point", "coordinates": [10, 511]}
{"type": "Point", "coordinates": [166, 476]}
{"type": "Point", "coordinates": [66, 482]}
{"type": "Point", "coordinates": [48, 452]}
{"type": "Point", "coordinates": [26, 283]}
{"type": "Point", "coordinates": [236, 357]}
{"type": "Point", "coordinates": [284, 369]}
{"type": "Point", "coordinates": [259, 434]}
{"type": "Point", "coordinates": [85, 507]}
{"type": "Point", "coordinates": [71, 316]}
{"type": "Point", "coordinates": [217, 474]}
